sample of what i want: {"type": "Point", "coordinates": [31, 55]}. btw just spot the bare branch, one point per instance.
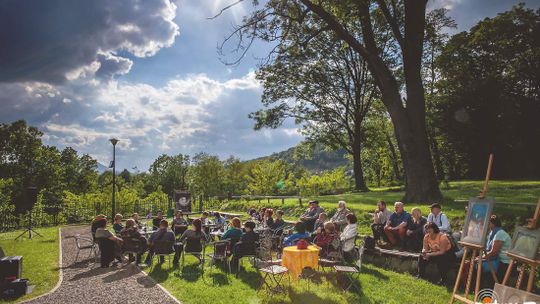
{"type": "Point", "coordinates": [224, 9]}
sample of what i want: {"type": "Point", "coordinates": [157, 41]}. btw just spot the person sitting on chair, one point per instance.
{"type": "Point", "coordinates": [396, 226]}
{"type": "Point", "coordinates": [135, 217]}
{"type": "Point", "coordinates": [110, 246]}
{"type": "Point", "coordinates": [219, 221]}
{"type": "Point", "coordinates": [319, 225]}
{"type": "Point", "coordinates": [436, 249]}
{"type": "Point", "coordinates": [247, 244]}
{"type": "Point", "coordinates": [326, 238]}
{"type": "Point", "coordinates": [348, 237]}
{"type": "Point", "coordinates": [157, 220]}
{"type": "Point", "coordinates": [340, 217]}
{"type": "Point", "coordinates": [380, 218]}
{"type": "Point", "coordinates": [162, 234]}
{"type": "Point", "coordinates": [279, 223]}
{"type": "Point", "coordinates": [301, 233]}
{"type": "Point", "coordinates": [117, 226]}
{"type": "Point", "coordinates": [234, 231]}
{"type": "Point", "coordinates": [414, 236]}
{"type": "Point", "coordinates": [311, 215]}
{"type": "Point", "coordinates": [268, 221]}
{"type": "Point", "coordinates": [498, 243]}
{"type": "Point", "coordinates": [195, 236]}
{"type": "Point", "coordinates": [179, 223]}
{"type": "Point", "coordinates": [131, 231]}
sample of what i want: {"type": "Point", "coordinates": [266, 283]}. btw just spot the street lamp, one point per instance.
{"type": "Point", "coordinates": [113, 141]}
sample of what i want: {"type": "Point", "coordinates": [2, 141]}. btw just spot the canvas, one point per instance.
{"type": "Point", "coordinates": [525, 242]}
{"type": "Point", "coordinates": [477, 220]}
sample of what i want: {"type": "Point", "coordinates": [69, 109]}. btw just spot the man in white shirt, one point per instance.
{"type": "Point", "coordinates": [438, 217]}
{"type": "Point", "coordinates": [380, 217]}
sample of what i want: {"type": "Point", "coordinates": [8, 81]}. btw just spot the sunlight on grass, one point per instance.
{"type": "Point", "coordinates": [40, 258]}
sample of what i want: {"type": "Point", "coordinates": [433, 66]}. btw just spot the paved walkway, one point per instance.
{"type": "Point", "coordinates": [86, 282]}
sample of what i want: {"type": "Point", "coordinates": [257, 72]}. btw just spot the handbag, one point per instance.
{"type": "Point", "coordinates": [302, 244]}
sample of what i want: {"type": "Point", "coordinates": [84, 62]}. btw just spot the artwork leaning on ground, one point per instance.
{"type": "Point", "coordinates": [525, 242]}
{"type": "Point", "coordinates": [476, 222]}
{"type": "Point", "coordinates": [182, 201]}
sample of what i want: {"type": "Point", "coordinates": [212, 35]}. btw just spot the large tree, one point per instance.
{"type": "Point", "coordinates": [401, 87]}
{"type": "Point", "coordinates": [327, 88]}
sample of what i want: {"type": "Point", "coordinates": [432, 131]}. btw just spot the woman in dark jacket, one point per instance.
{"type": "Point", "coordinates": [414, 235]}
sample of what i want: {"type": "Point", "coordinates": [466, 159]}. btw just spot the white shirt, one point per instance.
{"type": "Point", "coordinates": [441, 220]}
{"type": "Point", "coordinates": [348, 237]}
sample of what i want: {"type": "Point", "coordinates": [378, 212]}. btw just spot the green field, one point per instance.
{"type": "Point", "coordinates": [40, 258]}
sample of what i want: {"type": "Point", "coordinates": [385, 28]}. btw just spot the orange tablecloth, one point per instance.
{"type": "Point", "coordinates": [297, 259]}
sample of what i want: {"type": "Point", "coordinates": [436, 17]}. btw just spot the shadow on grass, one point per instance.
{"type": "Point", "coordinates": [375, 273]}
{"type": "Point", "coordinates": [160, 272]}
{"type": "Point", "coordinates": [306, 297]}
{"type": "Point", "coordinates": [190, 273]}
{"type": "Point", "coordinates": [250, 278]}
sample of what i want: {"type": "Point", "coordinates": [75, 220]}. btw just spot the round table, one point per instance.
{"type": "Point", "coordinates": [297, 259]}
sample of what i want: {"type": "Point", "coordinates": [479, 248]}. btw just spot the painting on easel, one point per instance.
{"type": "Point", "coordinates": [476, 223]}
{"type": "Point", "coordinates": [525, 242]}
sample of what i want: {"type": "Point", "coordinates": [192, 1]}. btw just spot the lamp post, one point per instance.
{"type": "Point", "coordinates": [113, 141]}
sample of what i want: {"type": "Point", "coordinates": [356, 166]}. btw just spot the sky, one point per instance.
{"type": "Point", "coordinates": [148, 73]}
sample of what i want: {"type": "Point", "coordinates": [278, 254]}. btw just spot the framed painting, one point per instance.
{"type": "Point", "coordinates": [182, 201]}
{"type": "Point", "coordinates": [525, 242]}
{"type": "Point", "coordinates": [477, 221]}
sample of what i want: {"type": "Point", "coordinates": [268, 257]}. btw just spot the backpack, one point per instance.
{"type": "Point", "coordinates": [369, 242]}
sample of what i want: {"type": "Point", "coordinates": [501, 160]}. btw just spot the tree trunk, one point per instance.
{"type": "Point", "coordinates": [439, 170]}
{"type": "Point", "coordinates": [359, 181]}
{"type": "Point", "coordinates": [394, 156]}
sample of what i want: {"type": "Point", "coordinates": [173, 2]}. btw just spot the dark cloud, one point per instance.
{"type": "Point", "coordinates": [45, 40]}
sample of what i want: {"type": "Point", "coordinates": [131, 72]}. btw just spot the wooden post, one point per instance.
{"type": "Point", "coordinates": [484, 191]}
{"type": "Point", "coordinates": [283, 201]}
{"type": "Point", "coordinates": [533, 223]}
{"type": "Point", "coordinates": [300, 201]}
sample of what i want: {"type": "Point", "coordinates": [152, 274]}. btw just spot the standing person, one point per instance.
{"type": "Point", "coordinates": [438, 217]}
{"type": "Point", "coordinates": [348, 237]}
{"type": "Point", "coordinates": [396, 226]}
{"type": "Point", "coordinates": [162, 234]}
{"type": "Point", "coordinates": [311, 215]}
{"type": "Point", "coordinates": [498, 243]}
{"type": "Point", "coordinates": [179, 223]}
{"type": "Point", "coordinates": [117, 226]}
{"type": "Point", "coordinates": [339, 218]}
{"type": "Point", "coordinates": [380, 218]}
{"type": "Point", "coordinates": [436, 249]}
{"type": "Point", "coordinates": [131, 231]}
{"type": "Point", "coordinates": [157, 220]}
{"type": "Point", "coordinates": [414, 236]}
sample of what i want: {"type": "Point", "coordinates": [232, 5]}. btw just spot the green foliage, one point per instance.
{"type": "Point", "coordinates": [327, 183]}
{"type": "Point", "coordinates": [206, 174]}
{"type": "Point", "coordinates": [170, 172]}
{"type": "Point", "coordinates": [265, 176]}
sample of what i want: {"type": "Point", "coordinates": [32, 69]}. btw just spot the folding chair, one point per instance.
{"type": "Point", "coordinates": [273, 274]}
{"type": "Point", "coordinates": [252, 254]}
{"type": "Point", "coordinates": [83, 242]}
{"type": "Point", "coordinates": [351, 272]}
{"type": "Point", "coordinates": [132, 246]}
{"type": "Point", "coordinates": [196, 248]}
{"type": "Point", "coordinates": [334, 256]}
{"type": "Point", "coordinates": [219, 253]}
{"type": "Point", "coordinates": [163, 248]}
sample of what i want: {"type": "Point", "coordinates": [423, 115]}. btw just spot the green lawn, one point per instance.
{"type": "Point", "coordinates": [377, 286]}
{"type": "Point", "coordinates": [40, 258]}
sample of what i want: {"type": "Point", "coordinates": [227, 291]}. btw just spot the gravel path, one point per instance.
{"type": "Point", "coordinates": [86, 282]}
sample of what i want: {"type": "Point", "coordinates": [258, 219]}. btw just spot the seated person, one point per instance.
{"type": "Point", "coordinates": [396, 226]}
{"type": "Point", "coordinates": [135, 217]}
{"type": "Point", "coordinates": [117, 226]}
{"type": "Point", "coordinates": [380, 218]}
{"type": "Point", "coordinates": [234, 231]}
{"type": "Point", "coordinates": [131, 231]}
{"type": "Point", "coordinates": [498, 243]}
{"type": "Point", "coordinates": [219, 221]}
{"type": "Point", "coordinates": [157, 220]}
{"type": "Point", "coordinates": [95, 224]}
{"type": "Point", "coordinates": [205, 221]}
{"type": "Point", "coordinates": [436, 249]}
{"type": "Point", "coordinates": [194, 238]}
{"type": "Point", "coordinates": [162, 234]}
{"type": "Point", "coordinates": [348, 237]}
{"type": "Point", "coordinates": [301, 233]}
{"type": "Point", "coordinates": [253, 213]}
{"type": "Point", "coordinates": [327, 238]}
{"type": "Point", "coordinates": [268, 221]}
{"type": "Point", "coordinates": [279, 223]}
{"type": "Point", "coordinates": [110, 246]}
{"type": "Point", "coordinates": [414, 236]}
{"type": "Point", "coordinates": [311, 215]}
{"type": "Point", "coordinates": [260, 215]}
{"type": "Point", "coordinates": [438, 217]}
{"type": "Point", "coordinates": [247, 244]}
{"type": "Point", "coordinates": [339, 218]}
{"type": "Point", "coordinates": [319, 223]}
{"type": "Point", "coordinates": [180, 224]}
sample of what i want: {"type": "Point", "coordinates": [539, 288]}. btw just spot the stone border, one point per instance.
{"type": "Point", "coordinates": [162, 288]}
{"type": "Point", "coordinates": [60, 270]}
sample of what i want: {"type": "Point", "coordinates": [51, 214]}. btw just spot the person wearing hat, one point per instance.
{"type": "Point", "coordinates": [438, 217]}
{"type": "Point", "coordinates": [311, 215]}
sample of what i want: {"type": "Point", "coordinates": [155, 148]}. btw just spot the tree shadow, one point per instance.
{"type": "Point", "coordinates": [159, 274]}
{"type": "Point", "coordinates": [306, 297]}
{"type": "Point", "coordinates": [250, 278]}
{"type": "Point", "coordinates": [92, 273]}
{"type": "Point", "coordinates": [122, 274]}
{"type": "Point", "coordinates": [190, 273]}
{"type": "Point", "coordinates": [375, 273]}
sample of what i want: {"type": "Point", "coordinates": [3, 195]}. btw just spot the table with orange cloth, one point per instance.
{"type": "Point", "coordinates": [297, 259]}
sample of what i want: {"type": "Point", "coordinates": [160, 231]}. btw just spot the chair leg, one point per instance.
{"type": "Point", "coordinates": [77, 256]}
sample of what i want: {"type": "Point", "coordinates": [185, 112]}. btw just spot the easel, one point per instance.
{"type": "Point", "coordinates": [533, 264]}
{"type": "Point", "coordinates": [476, 251]}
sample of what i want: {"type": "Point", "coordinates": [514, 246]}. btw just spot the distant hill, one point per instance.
{"type": "Point", "coordinates": [101, 168]}
{"type": "Point", "coordinates": [320, 160]}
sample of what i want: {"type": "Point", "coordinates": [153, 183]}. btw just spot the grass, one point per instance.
{"type": "Point", "coordinates": [376, 286]}
{"type": "Point", "coordinates": [40, 258]}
